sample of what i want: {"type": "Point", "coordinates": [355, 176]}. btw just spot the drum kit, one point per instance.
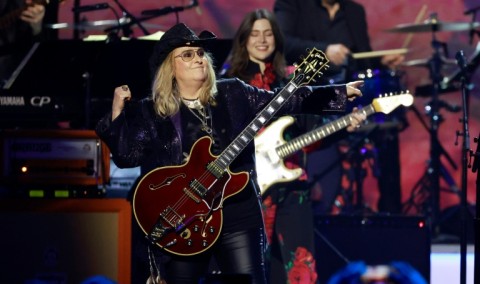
{"type": "Point", "coordinates": [120, 24]}
{"type": "Point", "coordinates": [427, 189]}
{"type": "Point", "coordinates": [425, 196]}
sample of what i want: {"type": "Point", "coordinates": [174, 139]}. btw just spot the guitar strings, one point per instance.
{"type": "Point", "coordinates": [184, 198]}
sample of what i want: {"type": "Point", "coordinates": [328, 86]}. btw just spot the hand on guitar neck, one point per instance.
{"type": "Point", "coordinates": [271, 149]}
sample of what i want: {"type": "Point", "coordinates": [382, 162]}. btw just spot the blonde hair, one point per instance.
{"type": "Point", "coordinates": [165, 95]}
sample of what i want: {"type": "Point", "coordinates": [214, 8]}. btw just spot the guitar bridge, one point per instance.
{"type": "Point", "coordinates": [172, 218]}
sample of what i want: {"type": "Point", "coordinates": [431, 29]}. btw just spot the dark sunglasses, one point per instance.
{"type": "Point", "coordinates": [188, 55]}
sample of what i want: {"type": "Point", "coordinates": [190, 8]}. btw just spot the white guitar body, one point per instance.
{"type": "Point", "coordinates": [269, 165]}
{"type": "Point", "coordinates": [271, 149]}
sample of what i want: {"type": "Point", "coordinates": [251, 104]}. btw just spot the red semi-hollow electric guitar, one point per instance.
{"type": "Point", "coordinates": [179, 208]}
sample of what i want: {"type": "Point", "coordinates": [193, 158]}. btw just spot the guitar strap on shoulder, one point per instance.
{"type": "Point", "coordinates": [155, 274]}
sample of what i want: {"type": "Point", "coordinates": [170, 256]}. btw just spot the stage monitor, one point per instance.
{"type": "Point", "coordinates": [64, 241]}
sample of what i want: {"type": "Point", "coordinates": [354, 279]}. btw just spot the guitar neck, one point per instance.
{"type": "Point", "coordinates": [246, 136]}
{"type": "Point", "coordinates": [319, 133]}
{"type": "Point", "coordinates": [315, 62]}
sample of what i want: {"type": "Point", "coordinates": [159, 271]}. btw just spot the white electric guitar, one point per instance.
{"type": "Point", "coordinates": [271, 148]}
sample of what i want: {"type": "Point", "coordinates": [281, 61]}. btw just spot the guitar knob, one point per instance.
{"type": "Point", "coordinates": [189, 242]}
{"type": "Point", "coordinates": [212, 229]}
{"type": "Point", "coordinates": [196, 228]}
{"type": "Point", "coordinates": [204, 243]}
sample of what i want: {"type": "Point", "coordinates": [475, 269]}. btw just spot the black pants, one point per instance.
{"type": "Point", "coordinates": [239, 253]}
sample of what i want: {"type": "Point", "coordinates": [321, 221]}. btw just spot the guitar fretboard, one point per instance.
{"type": "Point", "coordinates": [219, 166]}
{"type": "Point", "coordinates": [313, 136]}
{"type": "Point", "coordinates": [312, 65]}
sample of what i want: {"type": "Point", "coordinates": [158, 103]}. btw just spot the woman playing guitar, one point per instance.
{"type": "Point", "coordinates": [192, 138]}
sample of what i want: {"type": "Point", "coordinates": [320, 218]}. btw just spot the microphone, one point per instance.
{"type": "Point", "coordinates": [88, 8]}
{"type": "Point", "coordinates": [473, 10]}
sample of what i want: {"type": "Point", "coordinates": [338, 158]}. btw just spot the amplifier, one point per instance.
{"type": "Point", "coordinates": [54, 157]}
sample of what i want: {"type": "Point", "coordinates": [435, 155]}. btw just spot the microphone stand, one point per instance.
{"type": "Point", "coordinates": [465, 150]}
{"type": "Point", "coordinates": [475, 166]}
{"type": "Point", "coordinates": [131, 20]}
{"type": "Point", "coordinates": [76, 19]}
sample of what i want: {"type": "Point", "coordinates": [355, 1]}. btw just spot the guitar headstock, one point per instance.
{"type": "Point", "coordinates": [388, 102]}
{"type": "Point", "coordinates": [311, 66]}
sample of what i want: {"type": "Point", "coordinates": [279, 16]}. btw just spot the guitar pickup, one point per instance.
{"type": "Point", "coordinates": [198, 188]}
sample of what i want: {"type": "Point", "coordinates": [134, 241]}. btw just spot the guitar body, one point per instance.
{"type": "Point", "coordinates": [180, 207]}
{"type": "Point", "coordinates": [269, 165]}
{"type": "Point", "coordinates": [271, 149]}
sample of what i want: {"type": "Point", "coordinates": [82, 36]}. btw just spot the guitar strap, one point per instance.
{"type": "Point", "coordinates": [155, 274]}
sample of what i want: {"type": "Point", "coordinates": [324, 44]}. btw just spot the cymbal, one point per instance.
{"type": "Point", "coordinates": [99, 25]}
{"type": "Point", "coordinates": [425, 62]}
{"type": "Point", "coordinates": [95, 25]}
{"type": "Point", "coordinates": [434, 26]}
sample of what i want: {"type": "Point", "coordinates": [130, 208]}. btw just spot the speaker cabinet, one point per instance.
{"type": "Point", "coordinates": [53, 157]}
{"type": "Point", "coordinates": [64, 241]}
{"type": "Point", "coordinates": [376, 240]}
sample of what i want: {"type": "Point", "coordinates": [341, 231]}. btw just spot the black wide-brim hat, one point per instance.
{"type": "Point", "coordinates": [178, 36]}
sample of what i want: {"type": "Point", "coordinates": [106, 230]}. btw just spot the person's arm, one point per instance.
{"type": "Point", "coordinates": [307, 99]}
{"type": "Point", "coordinates": [331, 98]}
{"type": "Point", "coordinates": [33, 15]}
{"type": "Point", "coordinates": [127, 134]}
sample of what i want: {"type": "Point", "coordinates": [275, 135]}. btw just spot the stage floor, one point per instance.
{"type": "Point", "coordinates": [445, 264]}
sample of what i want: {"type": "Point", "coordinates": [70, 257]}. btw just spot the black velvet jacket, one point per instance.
{"type": "Point", "coordinates": [139, 137]}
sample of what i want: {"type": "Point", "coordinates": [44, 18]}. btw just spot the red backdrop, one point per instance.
{"type": "Point", "coordinates": [224, 16]}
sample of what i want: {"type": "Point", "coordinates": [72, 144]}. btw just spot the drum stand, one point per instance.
{"type": "Point", "coordinates": [429, 184]}
{"type": "Point", "coordinates": [357, 154]}
{"type": "Point", "coordinates": [418, 201]}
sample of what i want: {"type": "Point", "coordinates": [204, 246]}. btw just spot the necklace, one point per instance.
{"type": "Point", "coordinates": [204, 117]}
{"type": "Point", "coordinates": [192, 103]}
